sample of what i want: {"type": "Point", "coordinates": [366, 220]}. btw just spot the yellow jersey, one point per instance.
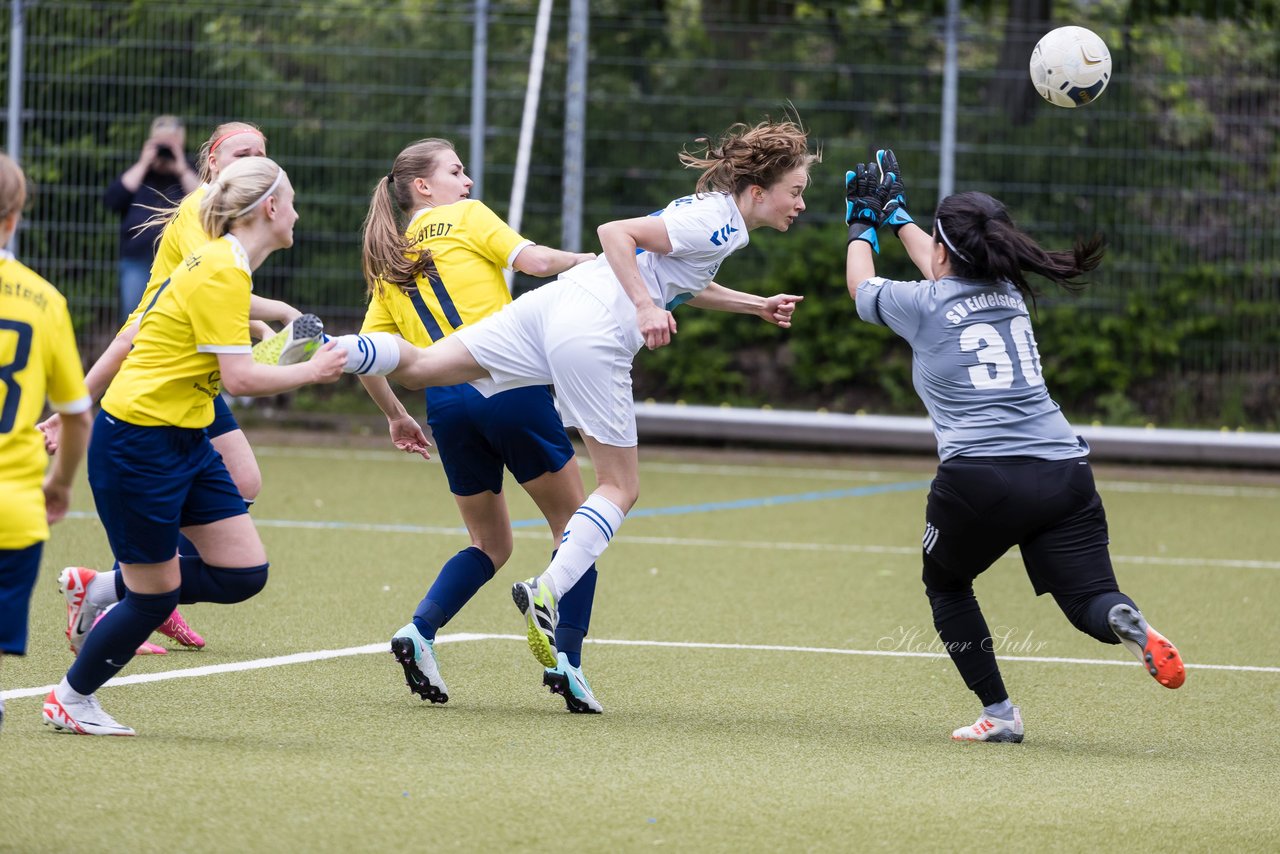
{"type": "Point", "coordinates": [182, 235]}
{"type": "Point", "coordinates": [38, 361]}
{"type": "Point", "coordinates": [470, 246]}
{"type": "Point", "coordinates": [171, 376]}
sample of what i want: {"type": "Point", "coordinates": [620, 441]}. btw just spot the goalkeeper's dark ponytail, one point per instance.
{"type": "Point", "coordinates": [983, 243]}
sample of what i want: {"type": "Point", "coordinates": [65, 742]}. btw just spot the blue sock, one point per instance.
{"type": "Point", "coordinates": [459, 579]}
{"type": "Point", "coordinates": [575, 617]}
{"type": "Point", "coordinates": [120, 588]}
{"type": "Point", "coordinates": [115, 639]}
{"type": "Point", "coordinates": [224, 585]}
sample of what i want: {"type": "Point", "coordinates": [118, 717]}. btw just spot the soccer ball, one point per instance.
{"type": "Point", "coordinates": [1070, 66]}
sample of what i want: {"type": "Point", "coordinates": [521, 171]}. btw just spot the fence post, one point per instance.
{"type": "Point", "coordinates": [479, 92]}
{"type": "Point", "coordinates": [575, 122]}
{"type": "Point", "coordinates": [16, 45]}
{"type": "Point", "coordinates": [950, 81]}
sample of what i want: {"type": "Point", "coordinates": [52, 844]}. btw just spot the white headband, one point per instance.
{"type": "Point", "coordinates": [954, 251]}
{"type": "Point", "coordinates": [270, 190]}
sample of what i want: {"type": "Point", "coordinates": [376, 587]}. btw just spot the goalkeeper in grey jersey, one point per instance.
{"type": "Point", "coordinates": [1012, 470]}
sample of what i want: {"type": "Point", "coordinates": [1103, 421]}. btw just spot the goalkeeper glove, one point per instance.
{"type": "Point", "coordinates": [864, 203]}
{"type": "Point", "coordinates": [895, 206]}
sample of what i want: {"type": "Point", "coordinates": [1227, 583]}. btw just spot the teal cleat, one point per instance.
{"type": "Point", "coordinates": [417, 656]}
{"type": "Point", "coordinates": [567, 681]}
{"type": "Point", "coordinates": [536, 602]}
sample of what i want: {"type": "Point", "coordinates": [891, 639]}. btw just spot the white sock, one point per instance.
{"type": "Point", "coordinates": [1002, 710]}
{"type": "Point", "coordinates": [376, 353]}
{"type": "Point", "coordinates": [586, 537]}
{"type": "Point", "coordinates": [65, 693]}
{"type": "Point", "coordinates": [101, 592]}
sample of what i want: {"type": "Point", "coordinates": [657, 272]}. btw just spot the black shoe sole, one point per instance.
{"type": "Point", "coordinates": [559, 684]}
{"type": "Point", "coordinates": [402, 649]}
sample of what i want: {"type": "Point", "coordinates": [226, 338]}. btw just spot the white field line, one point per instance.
{"type": "Point", "coordinates": [382, 647]}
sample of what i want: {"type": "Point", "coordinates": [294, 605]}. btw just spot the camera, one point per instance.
{"type": "Point", "coordinates": [164, 152]}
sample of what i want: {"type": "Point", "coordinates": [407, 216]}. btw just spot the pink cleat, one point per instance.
{"type": "Point", "coordinates": [146, 647]}
{"type": "Point", "coordinates": [177, 628]}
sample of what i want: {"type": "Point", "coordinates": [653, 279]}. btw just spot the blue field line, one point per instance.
{"type": "Point", "coordinates": [676, 510]}
{"type": "Point", "coordinates": [763, 501]}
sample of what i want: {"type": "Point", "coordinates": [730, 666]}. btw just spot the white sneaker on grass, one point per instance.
{"type": "Point", "coordinates": [997, 730]}
{"type": "Point", "coordinates": [82, 717]}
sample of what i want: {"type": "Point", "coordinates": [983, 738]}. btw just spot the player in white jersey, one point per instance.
{"type": "Point", "coordinates": [1012, 470]}
{"type": "Point", "coordinates": [582, 332]}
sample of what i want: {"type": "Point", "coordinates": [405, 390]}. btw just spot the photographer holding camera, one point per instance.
{"type": "Point", "coordinates": [160, 178]}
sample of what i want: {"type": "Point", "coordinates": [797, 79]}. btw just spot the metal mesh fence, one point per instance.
{"type": "Point", "coordinates": [1179, 162]}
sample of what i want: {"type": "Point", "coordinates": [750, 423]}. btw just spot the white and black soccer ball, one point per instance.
{"type": "Point", "coordinates": [1070, 66]}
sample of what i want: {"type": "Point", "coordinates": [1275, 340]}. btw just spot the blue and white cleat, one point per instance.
{"type": "Point", "coordinates": [297, 342]}
{"type": "Point", "coordinates": [567, 681]}
{"type": "Point", "coordinates": [417, 656]}
{"type": "Point", "coordinates": [538, 605]}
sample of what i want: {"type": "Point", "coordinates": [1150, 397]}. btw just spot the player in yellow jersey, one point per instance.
{"type": "Point", "coordinates": [38, 361]}
{"type": "Point", "coordinates": [433, 261]}
{"type": "Point", "coordinates": [152, 467]}
{"type": "Point", "coordinates": [88, 592]}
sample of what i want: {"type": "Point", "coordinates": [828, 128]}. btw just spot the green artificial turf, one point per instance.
{"type": "Point", "coordinates": [709, 742]}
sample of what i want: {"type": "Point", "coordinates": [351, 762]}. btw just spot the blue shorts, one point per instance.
{"type": "Point", "coordinates": [477, 436]}
{"type": "Point", "coordinates": [149, 482]}
{"type": "Point", "coordinates": [18, 568]}
{"type": "Point", "coordinates": [223, 420]}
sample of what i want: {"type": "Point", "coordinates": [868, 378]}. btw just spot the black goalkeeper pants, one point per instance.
{"type": "Point", "coordinates": [979, 508]}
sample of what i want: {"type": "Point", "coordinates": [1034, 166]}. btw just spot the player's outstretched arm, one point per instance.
{"type": "Point", "coordinates": [406, 432]}
{"type": "Point", "coordinates": [776, 309]}
{"type": "Point", "coordinates": [865, 196]}
{"type": "Point", "coordinates": [543, 261]}
{"type": "Point", "coordinates": [274, 310]}
{"type": "Point", "coordinates": [243, 377]}
{"type": "Point", "coordinates": [918, 244]}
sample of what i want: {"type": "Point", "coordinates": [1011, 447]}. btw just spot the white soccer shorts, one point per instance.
{"type": "Point", "coordinates": [562, 334]}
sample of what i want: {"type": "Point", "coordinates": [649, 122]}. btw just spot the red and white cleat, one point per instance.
{"type": "Point", "coordinates": [73, 581]}
{"type": "Point", "coordinates": [993, 729]}
{"type": "Point", "coordinates": [84, 717]}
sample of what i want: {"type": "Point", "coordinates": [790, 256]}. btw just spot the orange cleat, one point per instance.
{"type": "Point", "coordinates": [1154, 650]}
